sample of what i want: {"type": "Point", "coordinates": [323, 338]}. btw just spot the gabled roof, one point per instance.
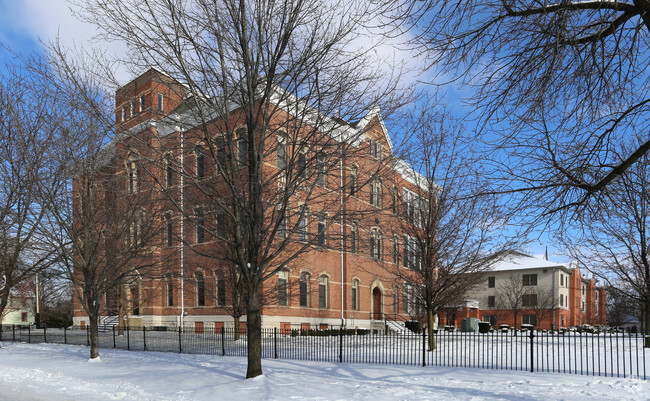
{"type": "Point", "coordinates": [363, 123]}
{"type": "Point", "coordinates": [520, 261]}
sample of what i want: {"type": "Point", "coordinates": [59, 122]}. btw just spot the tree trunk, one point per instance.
{"type": "Point", "coordinates": [254, 334]}
{"type": "Point", "coordinates": [514, 326]}
{"type": "Point", "coordinates": [121, 312]}
{"type": "Point", "coordinates": [646, 322]}
{"type": "Point", "coordinates": [432, 339]}
{"type": "Point", "coordinates": [94, 338]}
{"type": "Point", "coordinates": [236, 323]}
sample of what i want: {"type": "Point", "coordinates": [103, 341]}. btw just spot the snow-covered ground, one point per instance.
{"type": "Point", "coordinates": [63, 372]}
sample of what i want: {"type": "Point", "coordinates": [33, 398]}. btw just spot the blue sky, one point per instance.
{"type": "Point", "coordinates": [24, 24]}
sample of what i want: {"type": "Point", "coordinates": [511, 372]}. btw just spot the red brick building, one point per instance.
{"type": "Point", "coordinates": [342, 278]}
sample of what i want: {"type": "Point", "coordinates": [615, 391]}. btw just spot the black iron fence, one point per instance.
{"type": "Point", "coordinates": [599, 354]}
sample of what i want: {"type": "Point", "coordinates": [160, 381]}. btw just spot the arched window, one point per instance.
{"type": "Point", "coordinates": [283, 278]}
{"type": "Point", "coordinates": [354, 237]}
{"type": "Point", "coordinates": [133, 173]}
{"type": "Point", "coordinates": [169, 170]}
{"type": "Point", "coordinates": [304, 289]}
{"type": "Point", "coordinates": [353, 181]}
{"type": "Point", "coordinates": [281, 152]}
{"type": "Point", "coordinates": [221, 289]}
{"type": "Point", "coordinates": [169, 229]}
{"type": "Point", "coordinates": [355, 294]}
{"type": "Point", "coordinates": [375, 193]}
{"type": "Point", "coordinates": [322, 233]}
{"type": "Point", "coordinates": [170, 290]}
{"type": "Point", "coordinates": [322, 292]}
{"type": "Point", "coordinates": [200, 289]}
{"type": "Point", "coordinates": [199, 224]}
{"type": "Point", "coordinates": [376, 244]}
{"type": "Point", "coordinates": [242, 147]}
{"type": "Point", "coordinates": [199, 154]}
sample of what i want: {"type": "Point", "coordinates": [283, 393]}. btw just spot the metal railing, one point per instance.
{"type": "Point", "coordinates": [615, 354]}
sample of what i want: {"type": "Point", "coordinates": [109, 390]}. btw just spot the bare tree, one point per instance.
{"type": "Point", "coordinates": [511, 295]}
{"type": "Point", "coordinates": [101, 223]}
{"type": "Point", "coordinates": [558, 85]}
{"type": "Point", "coordinates": [262, 80]}
{"type": "Point", "coordinates": [545, 303]}
{"type": "Point", "coordinates": [450, 233]}
{"type": "Point", "coordinates": [27, 123]}
{"type": "Point", "coordinates": [613, 242]}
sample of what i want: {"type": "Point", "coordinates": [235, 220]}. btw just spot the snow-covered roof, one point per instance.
{"type": "Point", "coordinates": [520, 261]}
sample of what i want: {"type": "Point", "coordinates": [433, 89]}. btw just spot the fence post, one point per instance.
{"type": "Point", "coordinates": [532, 353]}
{"type": "Point", "coordinates": [114, 344]}
{"type": "Point", "coordinates": [341, 344]}
{"type": "Point", "coordinates": [45, 334]}
{"type": "Point", "coordinates": [275, 341]}
{"type": "Point", "coordinates": [144, 338]}
{"type": "Point", "coordinates": [128, 337]}
{"type": "Point", "coordinates": [424, 348]}
{"type": "Point", "coordinates": [65, 335]}
{"type": "Point", "coordinates": [13, 334]}
{"type": "Point", "coordinates": [223, 339]}
{"type": "Point", "coordinates": [29, 334]}
{"type": "Point", "coordinates": [88, 336]}
{"type": "Point", "coordinates": [180, 346]}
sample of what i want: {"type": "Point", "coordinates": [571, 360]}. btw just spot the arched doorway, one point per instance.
{"type": "Point", "coordinates": [376, 304]}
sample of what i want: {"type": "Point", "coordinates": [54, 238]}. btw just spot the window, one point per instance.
{"type": "Point", "coordinates": [561, 300]}
{"type": "Point", "coordinates": [220, 217]}
{"type": "Point", "coordinates": [169, 229]}
{"type": "Point", "coordinates": [135, 230]}
{"type": "Point", "coordinates": [220, 149]}
{"type": "Point", "coordinates": [242, 149]}
{"type": "Point", "coordinates": [529, 279]}
{"type": "Point", "coordinates": [394, 200]}
{"type": "Point", "coordinates": [321, 230]}
{"type": "Point", "coordinates": [411, 253]}
{"type": "Point", "coordinates": [355, 294]}
{"type": "Point", "coordinates": [200, 289]}
{"type": "Point", "coordinates": [160, 102]}
{"type": "Point", "coordinates": [283, 276]}
{"type": "Point", "coordinates": [320, 169]}
{"type": "Point", "coordinates": [125, 112]}
{"type": "Point", "coordinates": [354, 233]}
{"type": "Point", "coordinates": [281, 152]}
{"type": "Point", "coordinates": [302, 225]}
{"type": "Point", "coordinates": [133, 172]}
{"type": "Point", "coordinates": [491, 301]}
{"type": "Point", "coordinates": [322, 292]}
{"type": "Point", "coordinates": [491, 281]}
{"type": "Point", "coordinates": [135, 299]}
{"type": "Point", "coordinates": [375, 244]}
{"type": "Point", "coordinates": [199, 225]}
{"type": "Point", "coordinates": [23, 316]}
{"type": "Point", "coordinates": [134, 106]}
{"type": "Point", "coordinates": [304, 290]}
{"type": "Point", "coordinates": [395, 250]}
{"type": "Point", "coordinates": [170, 291]}
{"type": "Point", "coordinates": [169, 171]}
{"type": "Point", "coordinates": [200, 162]}
{"type": "Point", "coordinates": [371, 146]}
{"type": "Point", "coordinates": [221, 290]}
{"type": "Point", "coordinates": [561, 280]}
{"type": "Point", "coordinates": [529, 319]}
{"type": "Point", "coordinates": [375, 193]}
{"type": "Point", "coordinates": [353, 181]}
{"type": "Point", "coordinates": [302, 163]}
{"type": "Point", "coordinates": [492, 319]}
{"type": "Point", "coordinates": [395, 299]}
{"type": "Point", "coordinates": [282, 226]}
{"type": "Point", "coordinates": [529, 300]}
{"type": "Point", "coordinates": [142, 103]}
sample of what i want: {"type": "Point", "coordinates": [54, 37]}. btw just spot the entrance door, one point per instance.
{"type": "Point", "coordinates": [376, 304]}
